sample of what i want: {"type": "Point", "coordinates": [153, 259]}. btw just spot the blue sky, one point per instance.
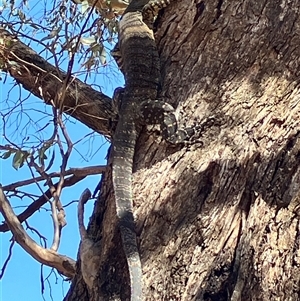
{"type": "Point", "coordinates": [22, 269]}
{"type": "Point", "coordinates": [22, 276]}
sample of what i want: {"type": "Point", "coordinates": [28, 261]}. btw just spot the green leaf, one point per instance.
{"type": "Point", "coordinates": [21, 15]}
{"type": "Point", "coordinates": [7, 154]}
{"type": "Point", "coordinates": [51, 161]}
{"type": "Point", "coordinates": [42, 155]}
{"type": "Point", "coordinates": [18, 160]}
{"type": "Point", "coordinates": [41, 152]}
{"type": "Point", "coordinates": [103, 56]}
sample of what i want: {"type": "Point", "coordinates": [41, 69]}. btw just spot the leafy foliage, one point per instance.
{"type": "Point", "coordinates": [61, 29]}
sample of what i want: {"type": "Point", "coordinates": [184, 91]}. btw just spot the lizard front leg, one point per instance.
{"type": "Point", "coordinates": [162, 113]}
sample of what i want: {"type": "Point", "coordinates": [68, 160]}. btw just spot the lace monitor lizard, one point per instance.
{"type": "Point", "coordinates": [137, 105]}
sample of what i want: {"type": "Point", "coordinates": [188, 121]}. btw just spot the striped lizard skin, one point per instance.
{"type": "Point", "coordinates": [137, 105]}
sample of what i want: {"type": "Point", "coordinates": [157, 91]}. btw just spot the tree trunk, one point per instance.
{"type": "Point", "coordinates": [218, 220]}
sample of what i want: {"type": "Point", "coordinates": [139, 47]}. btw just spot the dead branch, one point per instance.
{"type": "Point", "coordinates": [90, 250]}
{"type": "Point", "coordinates": [59, 217]}
{"type": "Point", "coordinates": [63, 264]}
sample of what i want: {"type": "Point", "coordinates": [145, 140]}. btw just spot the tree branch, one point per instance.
{"type": "Point", "coordinates": [43, 199]}
{"type": "Point", "coordinates": [79, 172]}
{"type": "Point", "coordinates": [63, 264]}
{"type": "Point", "coordinates": [42, 79]}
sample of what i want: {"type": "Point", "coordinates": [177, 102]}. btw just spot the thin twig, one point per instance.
{"type": "Point", "coordinates": [42, 237]}
{"type": "Point", "coordinates": [7, 259]}
{"type": "Point", "coordinates": [59, 218]}
{"type": "Point", "coordinates": [43, 199]}
{"type": "Point", "coordinates": [84, 171]}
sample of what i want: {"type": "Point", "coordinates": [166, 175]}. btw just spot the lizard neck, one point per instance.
{"type": "Point", "coordinates": [140, 56]}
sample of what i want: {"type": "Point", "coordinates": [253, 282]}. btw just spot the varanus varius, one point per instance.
{"type": "Point", "coordinates": [138, 106]}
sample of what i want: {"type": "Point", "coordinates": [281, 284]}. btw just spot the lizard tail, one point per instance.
{"type": "Point", "coordinates": [134, 263]}
{"type": "Point", "coordinates": [123, 152]}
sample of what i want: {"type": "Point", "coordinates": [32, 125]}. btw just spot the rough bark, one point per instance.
{"type": "Point", "coordinates": [218, 221]}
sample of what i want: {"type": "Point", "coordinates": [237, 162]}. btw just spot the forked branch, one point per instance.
{"type": "Point", "coordinates": [63, 264]}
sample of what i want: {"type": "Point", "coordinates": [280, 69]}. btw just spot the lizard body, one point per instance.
{"type": "Point", "coordinates": [138, 66]}
{"type": "Point", "coordinates": [138, 106]}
